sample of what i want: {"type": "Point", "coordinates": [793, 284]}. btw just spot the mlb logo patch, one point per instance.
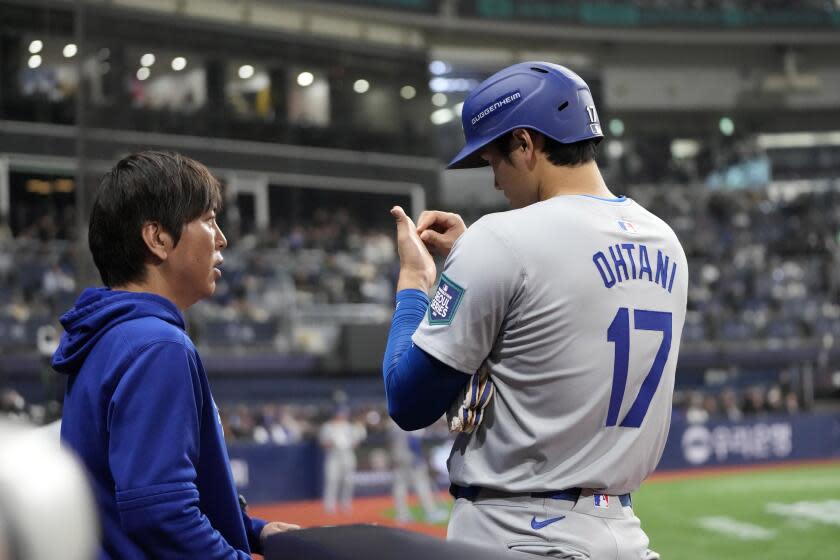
{"type": "Point", "coordinates": [627, 227]}
{"type": "Point", "coordinates": [446, 301]}
{"type": "Point", "coordinates": [602, 501]}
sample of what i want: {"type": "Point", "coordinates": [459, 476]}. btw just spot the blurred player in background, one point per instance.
{"type": "Point", "coordinates": [340, 437]}
{"type": "Point", "coordinates": [411, 472]}
{"type": "Point", "coordinates": [554, 329]}
{"type": "Point", "coordinates": [138, 409]}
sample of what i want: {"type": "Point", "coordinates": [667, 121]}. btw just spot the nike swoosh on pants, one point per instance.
{"type": "Point", "coordinates": [537, 525]}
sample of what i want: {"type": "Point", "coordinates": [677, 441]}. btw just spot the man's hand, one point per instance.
{"type": "Point", "coordinates": [276, 527]}
{"type": "Point", "coordinates": [417, 267]}
{"type": "Point", "coordinates": [439, 230]}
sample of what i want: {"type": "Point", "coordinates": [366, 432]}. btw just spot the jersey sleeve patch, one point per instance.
{"type": "Point", "coordinates": [446, 301]}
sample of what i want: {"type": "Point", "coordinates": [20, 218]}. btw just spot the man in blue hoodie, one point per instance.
{"type": "Point", "coordinates": [138, 408]}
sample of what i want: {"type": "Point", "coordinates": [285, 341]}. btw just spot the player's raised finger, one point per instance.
{"type": "Point", "coordinates": [402, 218]}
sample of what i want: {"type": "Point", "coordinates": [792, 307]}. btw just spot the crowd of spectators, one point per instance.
{"type": "Point", "coordinates": [262, 422]}
{"type": "Point", "coordinates": [763, 270]}
{"type": "Point", "coordinates": [729, 403]}
{"type": "Point", "coordinates": [763, 266]}
{"type": "Point", "coordinates": [284, 423]}
{"type": "Point", "coordinates": [270, 423]}
{"type": "Point", "coordinates": [330, 258]}
{"type": "Point", "coordinates": [15, 408]}
{"type": "Point", "coordinates": [287, 289]}
{"type": "Point", "coordinates": [37, 282]}
{"type": "Point", "coordinates": [270, 279]}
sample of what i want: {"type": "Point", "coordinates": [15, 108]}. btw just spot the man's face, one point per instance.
{"type": "Point", "coordinates": [194, 260]}
{"type": "Point", "coordinates": [510, 175]}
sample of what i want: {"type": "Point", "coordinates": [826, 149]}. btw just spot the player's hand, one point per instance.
{"type": "Point", "coordinates": [439, 230]}
{"type": "Point", "coordinates": [417, 267]}
{"type": "Point", "coordinates": [276, 527]}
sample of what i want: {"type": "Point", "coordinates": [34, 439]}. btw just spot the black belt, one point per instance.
{"type": "Point", "coordinates": [572, 494]}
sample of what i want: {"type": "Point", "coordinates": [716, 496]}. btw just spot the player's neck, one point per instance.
{"type": "Point", "coordinates": [560, 180]}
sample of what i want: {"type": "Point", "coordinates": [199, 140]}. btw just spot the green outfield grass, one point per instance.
{"type": "Point", "coordinates": [789, 513]}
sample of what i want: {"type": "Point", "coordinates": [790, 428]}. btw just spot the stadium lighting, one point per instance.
{"type": "Point", "coordinates": [147, 59]}
{"type": "Point", "coordinates": [615, 149]}
{"type": "Point", "coordinates": [439, 84]}
{"type": "Point", "coordinates": [305, 79]}
{"type": "Point", "coordinates": [70, 50]}
{"type": "Point", "coordinates": [34, 61]}
{"type": "Point", "coordinates": [684, 148]}
{"type": "Point", "coordinates": [246, 71]}
{"type": "Point", "coordinates": [143, 73]}
{"type": "Point", "coordinates": [408, 92]}
{"type": "Point", "coordinates": [438, 67]}
{"type": "Point", "coordinates": [727, 126]}
{"type": "Point", "coordinates": [452, 84]}
{"type": "Point", "coordinates": [462, 84]}
{"type": "Point", "coordinates": [616, 127]}
{"type": "Point", "coordinates": [179, 63]}
{"type": "Point", "coordinates": [439, 100]}
{"type": "Point", "coordinates": [36, 46]}
{"type": "Point", "coordinates": [459, 108]}
{"type": "Point", "coordinates": [361, 86]}
{"type": "Point", "coordinates": [442, 116]}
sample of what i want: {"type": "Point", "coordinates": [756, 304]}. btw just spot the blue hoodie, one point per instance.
{"type": "Point", "coordinates": [139, 413]}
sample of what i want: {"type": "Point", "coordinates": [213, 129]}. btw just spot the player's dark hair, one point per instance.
{"type": "Point", "coordinates": [576, 153]}
{"type": "Point", "coordinates": [150, 186]}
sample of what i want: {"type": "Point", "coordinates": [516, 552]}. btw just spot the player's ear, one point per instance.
{"type": "Point", "coordinates": [157, 240]}
{"type": "Point", "coordinates": [522, 139]}
{"type": "Point", "coordinates": [528, 142]}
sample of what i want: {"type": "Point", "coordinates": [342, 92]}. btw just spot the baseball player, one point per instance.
{"type": "Point", "coordinates": [339, 437]}
{"type": "Point", "coordinates": [411, 471]}
{"type": "Point", "coordinates": [554, 328]}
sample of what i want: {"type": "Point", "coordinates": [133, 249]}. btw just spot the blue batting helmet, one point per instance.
{"type": "Point", "coordinates": [545, 97]}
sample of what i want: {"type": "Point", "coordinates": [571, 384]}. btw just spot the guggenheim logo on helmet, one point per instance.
{"type": "Point", "coordinates": [504, 102]}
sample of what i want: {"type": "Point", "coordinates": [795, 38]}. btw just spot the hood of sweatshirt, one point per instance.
{"type": "Point", "coordinates": [98, 310]}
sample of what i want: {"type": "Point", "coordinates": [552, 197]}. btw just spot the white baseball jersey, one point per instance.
{"type": "Point", "coordinates": [576, 305]}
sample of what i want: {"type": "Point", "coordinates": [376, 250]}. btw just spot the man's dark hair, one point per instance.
{"type": "Point", "coordinates": [150, 186]}
{"type": "Point", "coordinates": [557, 153]}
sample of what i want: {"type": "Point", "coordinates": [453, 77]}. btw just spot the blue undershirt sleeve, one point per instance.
{"type": "Point", "coordinates": [419, 388]}
{"type": "Point", "coordinates": [253, 528]}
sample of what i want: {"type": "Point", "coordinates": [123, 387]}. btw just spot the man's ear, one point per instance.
{"type": "Point", "coordinates": [157, 240]}
{"type": "Point", "coordinates": [522, 139]}
{"type": "Point", "coordinates": [529, 141]}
